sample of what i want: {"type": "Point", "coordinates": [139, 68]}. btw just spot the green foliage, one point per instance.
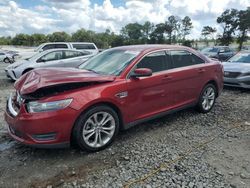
{"type": "Point", "coordinates": [208, 31]}
{"type": "Point", "coordinates": [186, 26]}
{"type": "Point", "coordinates": [59, 37]}
{"type": "Point", "coordinates": [5, 40]}
{"type": "Point", "coordinates": [188, 43]}
{"type": "Point", "coordinates": [243, 26]}
{"type": "Point", "coordinates": [229, 23]}
{"type": "Point", "coordinates": [172, 25]}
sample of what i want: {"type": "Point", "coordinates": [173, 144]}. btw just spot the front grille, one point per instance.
{"type": "Point", "coordinates": [231, 74]}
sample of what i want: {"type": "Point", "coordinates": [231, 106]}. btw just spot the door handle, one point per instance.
{"type": "Point", "coordinates": [201, 70]}
{"type": "Point", "coordinates": [167, 77]}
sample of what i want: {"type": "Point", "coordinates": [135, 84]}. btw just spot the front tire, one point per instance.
{"type": "Point", "coordinates": [207, 98]}
{"type": "Point", "coordinates": [96, 128]}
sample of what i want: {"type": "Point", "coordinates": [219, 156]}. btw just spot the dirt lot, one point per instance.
{"type": "Point", "coordinates": [156, 150]}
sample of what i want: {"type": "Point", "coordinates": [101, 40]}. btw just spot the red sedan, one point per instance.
{"type": "Point", "coordinates": [114, 90]}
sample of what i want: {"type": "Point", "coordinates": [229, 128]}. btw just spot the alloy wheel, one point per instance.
{"type": "Point", "coordinates": [208, 98]}
{"type": "Point", "coordinates": [99, 129]}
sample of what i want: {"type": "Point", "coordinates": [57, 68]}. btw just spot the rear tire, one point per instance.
{"type": "Point", "coordinates": [96, 128]}
{"type": "Point", "coordinates": [7, 60]}
{"type": "Point", "coordinates": [207, 98]}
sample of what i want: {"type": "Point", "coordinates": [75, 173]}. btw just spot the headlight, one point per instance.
{"type": "Point", "coordinates": [34, 107]}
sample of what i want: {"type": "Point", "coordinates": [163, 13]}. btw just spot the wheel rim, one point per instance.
{"type": "Point", "coordinates": [6, 60]}
{"type": "Point", "coordinates": [208, 98]}
{"type": "Point", "coordinates": [99, 129]}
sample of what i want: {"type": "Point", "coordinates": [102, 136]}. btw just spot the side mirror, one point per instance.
{"type": "Point", "coordinates": [141, 72]}
{"type": "Point", "coordinates": [41, 61]}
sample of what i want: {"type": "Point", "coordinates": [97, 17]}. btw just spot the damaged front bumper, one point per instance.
{"type": "Point", "coordinates": [44, 130]}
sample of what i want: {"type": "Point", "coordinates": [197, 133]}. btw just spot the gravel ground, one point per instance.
{"type": "Point", "coordinates": [151, 149]}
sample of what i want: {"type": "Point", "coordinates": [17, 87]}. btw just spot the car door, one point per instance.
{"type": "Point", "coordinates": [188, 75]}
{"type": "Point", "coordinates": [51, 59]}
{"type": "Point", "coordinates": [148, 95]}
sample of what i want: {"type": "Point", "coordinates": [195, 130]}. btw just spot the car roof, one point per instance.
{"type": "Point", "coordinates": [81, 42]}
{"type": "Point", "coordinates": [62, 49]}
{"type": "Point", "coordinates": [67, 43]}
{"type": "Point", "coordinates": [151, 47]}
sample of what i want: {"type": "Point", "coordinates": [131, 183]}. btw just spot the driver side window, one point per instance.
{"type": "Point", "coordinates": [155, 61]}
{"type": "Point", "coordinates": [52, 56]}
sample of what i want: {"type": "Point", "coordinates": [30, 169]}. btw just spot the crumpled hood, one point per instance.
{"type": "Point", "coordinates": [47, 77]}
{"type": "Point", "coordinates": [236, 67]}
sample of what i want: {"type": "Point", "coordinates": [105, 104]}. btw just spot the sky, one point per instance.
{"type": "Point", "coordinates": [47, 16]}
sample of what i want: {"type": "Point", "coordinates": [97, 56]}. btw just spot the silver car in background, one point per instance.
{"type": "Point", "coordinates": [237, 70]}
{"type": "Point", "coordinates": [48, 58]}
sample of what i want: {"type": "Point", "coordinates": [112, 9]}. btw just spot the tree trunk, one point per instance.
{"type": "Point", "coordinates": [242, 39]}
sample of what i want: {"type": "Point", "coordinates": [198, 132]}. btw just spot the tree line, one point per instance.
{"type": "Point", "coordinates": [234, 24]}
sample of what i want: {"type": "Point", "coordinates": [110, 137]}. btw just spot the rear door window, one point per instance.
{"type": "Point", "coordinates": [182, 58]}
{"type": "Point", "coordinates": [84, 46]}
{"type": "Point", "coordinates": [61, 46]}
{"type": "Point", "coordinates": [70, 54]}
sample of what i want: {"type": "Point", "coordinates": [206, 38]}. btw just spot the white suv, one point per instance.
{"type": "Point", "coordinates": [83, 46]}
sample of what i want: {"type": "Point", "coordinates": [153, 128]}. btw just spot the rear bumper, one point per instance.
{"type": "Point", "coordinates": [241, 82]}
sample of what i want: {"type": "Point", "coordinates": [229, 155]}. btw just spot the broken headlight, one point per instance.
{"type": "Point", "coordinates": [34, 107]}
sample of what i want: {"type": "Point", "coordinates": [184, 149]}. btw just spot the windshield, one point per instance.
{"type": "Point", "coordinates": [33, 56]}
{"type": "Point", "coordinates": [38, 48]}
{"type": "Point", "coordinates": [210, 50]}
{"type": "Point", "coordinates": [240, 58]}
{"type": "Point", "coordinates": [110, 62]}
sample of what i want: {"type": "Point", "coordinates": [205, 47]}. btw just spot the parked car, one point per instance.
{"type": "Point", "coordinates": [82, 46]}
{"type": "Point", "coordinates": [6, 57]}
{"type": "Point", "coordinates": [221, 53]}
{"type": "Point", "coordinates": [85, 46]}
{"type": "Point", "coordinates": [48, 58]}
{"type": "Point", "coordinates": [247, 47]}
{"type": "Point", "coordinates": [237, 70]}
{"type": "Point", "coordinates": [117, 89]}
